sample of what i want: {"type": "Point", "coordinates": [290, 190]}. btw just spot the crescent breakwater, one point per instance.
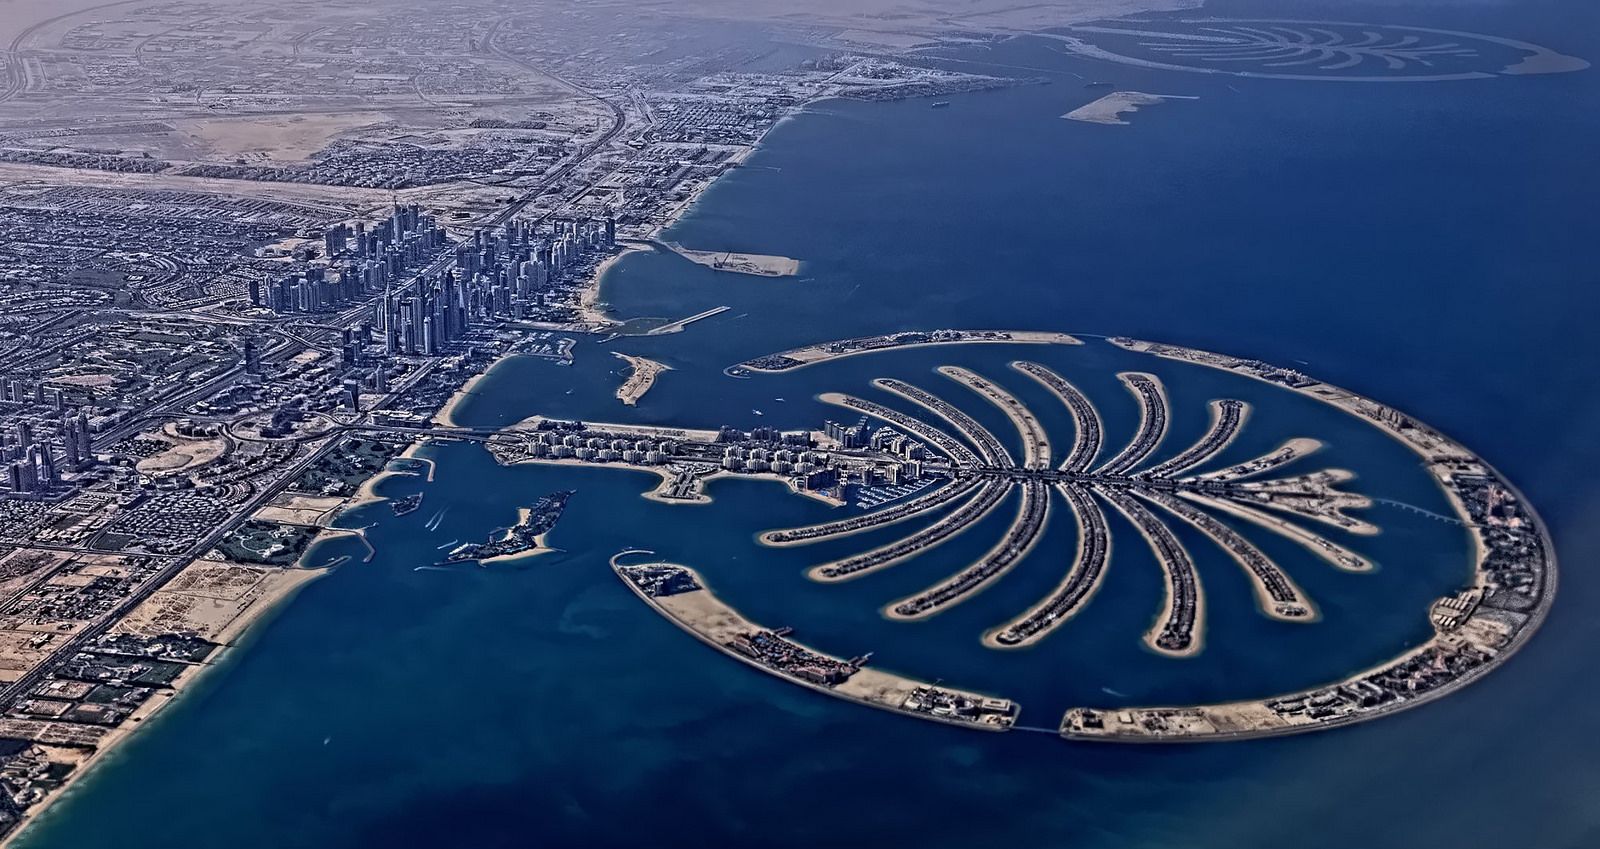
{"type": "Point", "coordinates": [680, 595]}
{"type": "Point", "coordinates": [821, 353]}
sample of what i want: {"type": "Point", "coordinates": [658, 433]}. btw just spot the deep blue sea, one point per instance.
{"type": "Point", "coordinates": [1430, 245]}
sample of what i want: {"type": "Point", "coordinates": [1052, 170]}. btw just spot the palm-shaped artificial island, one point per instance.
{"type": "Point", "coordinates": [948, 470]}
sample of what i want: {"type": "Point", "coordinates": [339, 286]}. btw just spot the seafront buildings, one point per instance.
{"type": "Point", "coordinates": [205, 353]}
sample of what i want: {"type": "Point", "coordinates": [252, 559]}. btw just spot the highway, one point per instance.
{"type": "Point", "coordinates": [83, 638]}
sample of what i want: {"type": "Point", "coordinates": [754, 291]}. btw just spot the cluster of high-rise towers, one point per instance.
{"type": "Point", "coordinates": [427, 300]}
{"type": "Point", "coordinates": [503, 273]}
{"type": "Point", "coordinates": [32, 466]}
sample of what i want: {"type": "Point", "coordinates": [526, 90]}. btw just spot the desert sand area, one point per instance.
{"type": "Point", "coordinates": [216, 599]}
{"type": "Point", "coordinates": [867, 21]}
{"type": "Point", "coordinates": [269, 137]}
{"type": "Point", "coordinates": [1111, 108]}
{"type": "Point", "coordinates": [17, 16]}
{"type": "Point", "coordinates": [295, 508]}
{"type": "Point", "coordinates": [183, 453]}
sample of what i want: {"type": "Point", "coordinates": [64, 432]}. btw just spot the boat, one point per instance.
{"type": "Point", "coordinates": [940, 104]}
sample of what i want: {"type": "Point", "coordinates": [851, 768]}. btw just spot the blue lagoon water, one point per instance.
{"type": "Point", "coordinates": [1428, 245]}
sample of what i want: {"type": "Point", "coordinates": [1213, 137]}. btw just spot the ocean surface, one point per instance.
{"type": "Point", "coordinates": [1430, 245]}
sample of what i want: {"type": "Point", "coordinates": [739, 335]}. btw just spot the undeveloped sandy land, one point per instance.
{"type": "Point", "coordinates": [20, 651]}
{"type": "Point", "coordinates": [184, 454]}
{"type": "Point", "coordinates": [704, 614]}
{"type": "Point", "coordinates": [215, 598]}
{"type": "Point", "coordinates": [21, 567]}
{"type": "Point", "coordinates": [269, 138]}
{"type": "Point", "coordinates": [297, 508]}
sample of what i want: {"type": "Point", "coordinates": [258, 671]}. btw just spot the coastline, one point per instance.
{"type": "Point", "coordinates": [594, 314]}
{"type": "Point", "coordinates": [234, 637]}
{"type": "Point", "coordinates": [447, 414]}
{"type": "Point", "coordinates": [591, 307]}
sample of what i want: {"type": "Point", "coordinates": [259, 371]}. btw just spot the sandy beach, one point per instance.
{"type": "Point", "coordinates": [269, 596]}
{"type": "Point", "coordinates": [447, 414]}
{"type": "Point", "coordinates": [591, 310]}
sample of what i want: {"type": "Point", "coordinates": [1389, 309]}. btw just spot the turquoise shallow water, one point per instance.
{"type": "Point", "coordinates": [1426, 245]}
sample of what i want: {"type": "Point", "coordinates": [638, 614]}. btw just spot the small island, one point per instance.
{"type": "Point", "coordinates": [1111, 108]}
{"type": "Point", "coordinates": [759, 265]}
{"type": "Point", "coordinates": [406, 504]}
{"type": "Point", "coordinates": [640, 378]}
{"type": "Point", "coordinates": [526, 536]}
